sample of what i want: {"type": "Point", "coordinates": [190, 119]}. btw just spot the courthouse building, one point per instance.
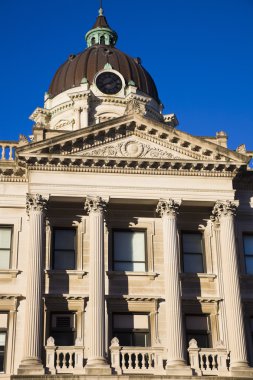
{"type": "Point", "coordinates": [126, 244]}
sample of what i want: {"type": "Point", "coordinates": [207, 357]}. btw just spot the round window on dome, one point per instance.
{"type": "Point", "coordinates": [109, 83]}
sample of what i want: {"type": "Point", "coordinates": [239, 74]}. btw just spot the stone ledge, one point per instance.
{"type": "Point", "coordinates": [120, 377]}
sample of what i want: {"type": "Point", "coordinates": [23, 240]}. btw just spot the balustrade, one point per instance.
{"type": "Point", "coordinates": [209, 361]}
{"type": "Point", "coordinates": [136, 360]}
{"type": "Point", "coordinates": [7, 150]}
{"type": "Point", "coordinates": [64, 359]}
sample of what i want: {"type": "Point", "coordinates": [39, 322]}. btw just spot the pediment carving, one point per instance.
{"type": "Point", "coordinates": [133, 147]}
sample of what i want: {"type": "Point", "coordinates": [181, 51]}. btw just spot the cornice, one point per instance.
{"type": "Point", "coordinates": [130, 166]}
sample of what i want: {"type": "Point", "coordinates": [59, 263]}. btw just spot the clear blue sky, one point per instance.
{"type": "Point", "coordinates": [199, 52]}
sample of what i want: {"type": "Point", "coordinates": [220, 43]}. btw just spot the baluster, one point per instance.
{"type": "Point", "coordinates": [64, 360]}
{"type": "Point", "coordinates": [3, 152]}
{"type": "Point", "coordinates": [57, 360]}
{"type": "Point", "coordinates": [123, 356]}
{"type": "Point", "coordinates": [201, 363]}
{"type": "Point", "coordinates": [10, 153]}
{"type": "Point", "coordinates": [140, 359]}
{"type": "Point", "coordinates": [149, 364]}
{"type": "Point", "coordinates": [132, 360]}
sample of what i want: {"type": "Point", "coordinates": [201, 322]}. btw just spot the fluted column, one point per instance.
{"type": "Point", "coordinates": [224, 212]}
{"type": "Point", "coordinates": [31, 362]}
{"type": "Point", "coordinates": [96, 356]}
{"type": "Point", "coordinates": [174, 323]}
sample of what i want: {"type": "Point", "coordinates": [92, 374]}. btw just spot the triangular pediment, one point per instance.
{"type": "Point", "coordinates": [133, 147]}
{"type": "Point", "coordinates": [131, 139]}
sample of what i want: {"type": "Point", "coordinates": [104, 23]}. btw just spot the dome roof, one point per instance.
{"type": "Point", "coordinates": [87, 63]}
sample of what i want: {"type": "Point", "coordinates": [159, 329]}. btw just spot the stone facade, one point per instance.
{"type": "Point", "coordinates": [116, 227]}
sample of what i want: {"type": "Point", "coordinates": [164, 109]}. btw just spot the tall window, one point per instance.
{"type": "Point", "coordinates": [63, 328]}
{"type": "Point", "coordinates": [129, 250]}
{"type": "Point", "coordinates": [248, 253]}
{"type": "Point", "coordinates": [131, 329]}
{"type": "Point", "coordinates": [5, 247]}
{"type": "Point", "coordinates": [64, 248]}
{"type": "Point", "coordinates": [192, 247]}
{"type": "Point", "coordinates": [198, 328]}
{"type": "Point", "coordinates": [3, 336]}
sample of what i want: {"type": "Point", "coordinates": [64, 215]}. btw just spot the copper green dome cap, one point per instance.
{"type": "Point", "coordinates": [101, 33]}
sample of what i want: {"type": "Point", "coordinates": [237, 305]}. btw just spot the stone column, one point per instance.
{"type": "Point", "coordinates": [96, 363]}
{"type": "Point", "coordinates": [174, 321]}
{"type": "Point", "coordinates": [85, 116]}
{"type": "Point", "coordinates": [31, 362]}
{"type": "Point", "coordinates": [224, 212]}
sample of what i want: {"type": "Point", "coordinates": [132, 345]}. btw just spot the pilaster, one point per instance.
{"type": "Point", "coordinates": [31, 362]}
{"type": "Point", "coordinates": [174, 324]}
{"type": "Point", "coordinates": [96, 363]}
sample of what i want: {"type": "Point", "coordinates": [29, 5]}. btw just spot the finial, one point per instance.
{"type": "Point", "coordinates": [101, 11]}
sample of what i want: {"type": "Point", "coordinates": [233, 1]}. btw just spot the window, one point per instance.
{"type": "Point", "coordinates": [63, 328]}
{"type": "Point", "coordinates": [198, 328]}
{"type": "Point", "coordinates": [3, 339]}
{"type": "Point", "coordinates": [131, 329]}
{"type": "Point", "coordinates": [64, 248]}
{"type": "Point", "coordinates": [192, 247]}
{"type": "Point", "coordinates": [129, 251]}
{"type": "Point", "coordinates": [248, 253]}
{"type": "Point", "coordinates": [5, 247]}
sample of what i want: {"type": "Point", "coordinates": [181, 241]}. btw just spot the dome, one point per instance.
{"type": "Point", "coordinates": [87, 63]}
{"type": "Point", "coordinates": [101, 40]}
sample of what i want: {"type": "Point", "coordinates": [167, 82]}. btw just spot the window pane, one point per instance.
{"type": "Point", "coordinates": [129, 267]}
{"type": "Point", "coordinates": [64, 259]}
{"type": "Point", "coordinates": [249, 264]}
{"type": "Point", "coordinates": [197, 322]}
{"type": "Point", "coordinates": [3, 320]}
{"type": "Point", "coordinates": [64, 338]}
{"type": "Point", "coordinates": [129, 246]}
{"type": "Point", "coordinates": [5, 237]}
{"type": "Point", "coordinates": [202, 339]}
{"type": "Point", "coordinates": [140, 339]}
{"type": "Point", "coordinates": [4, 258]}
{"type": "Point", "coordinates": [123, 321]}
{"type": "Point", "coordinates": [193, 263]}
{"type": "Point", "coordinates": [192, 243]}
{"type": "Point", "coordinates": [64, 239]}
{"type": "Point", "coordinates": [125, 339]}
{"type": "Point", "coordinates": [248, 245]}
{"type": "Point", "coordinates": [2, 338]}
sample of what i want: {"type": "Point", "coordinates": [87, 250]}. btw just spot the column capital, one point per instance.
{"type": "Point", "coordinates": [35, 203]}
{"type": "Point", "coordinates": [224, 209]}
{"type": "Point", "coordinates": [167, 207]}
{"type": "Point", "coordinates": [95, 204]}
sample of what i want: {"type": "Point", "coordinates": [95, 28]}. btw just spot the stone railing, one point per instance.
{"type": "Point", "coordinates": [136, 360]}
{"type": "Point", "coordinates": [64, 359]}
{"type": "Point", "coordinates": [7, 150]}
{"type": "Point", "coordinates": [208, 361]}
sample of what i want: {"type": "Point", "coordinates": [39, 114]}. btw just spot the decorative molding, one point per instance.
{"type": "Point", "coordinates": [167, 207]}
{"type": "Point", "coordinates": [132, 147]}
{"type": "Point", "coordinates": [35, 203]}
{"type": "Point", "coordinates": [95, 204]}
{"type": "Point", "coordinates": [224, 208]}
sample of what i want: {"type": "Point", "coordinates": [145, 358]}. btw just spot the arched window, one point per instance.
{"type": "Point", "coordinates": [93, 41]}
{"type": "Point", "coordinates": [102, 40]}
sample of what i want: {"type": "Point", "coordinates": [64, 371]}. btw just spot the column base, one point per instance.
{"type": "Point", "coordinates": [178, 370]}
{"type": "Point", "coordinates": [98, 370]}
{"type": "Point", "coordinates": [31, 367]}
{"type": "Point", "coordinates": [97, 366]}
{"type": "Point", "coordinates": [241, 372]}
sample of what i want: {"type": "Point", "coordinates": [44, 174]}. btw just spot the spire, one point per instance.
{"type": "Point", "coordinates": [101, 33]}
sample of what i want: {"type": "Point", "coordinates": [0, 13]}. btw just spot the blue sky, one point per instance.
{"type": "Point", "coordinates": [199, 52]}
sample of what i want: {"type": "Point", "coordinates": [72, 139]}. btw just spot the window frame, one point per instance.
{"type": "Point", "coordinates": [56, 228]}
{"type": "Point", "coordinates": [132, 331]}
{"type": "Point", "coordinates": [11, 227]}
{"type": "Point", "coordinates": [244, 254]}
{"type": "Point", "coordinates": [5, 330]}
{"type": "Point", "coordinates": [127, 261]}
{"type": "Point", "coordinates": [73, 330]}
{"type": "Point", "coordinates": [203, 254]}
{"type": "Point", "coordinates": [207, 333]}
